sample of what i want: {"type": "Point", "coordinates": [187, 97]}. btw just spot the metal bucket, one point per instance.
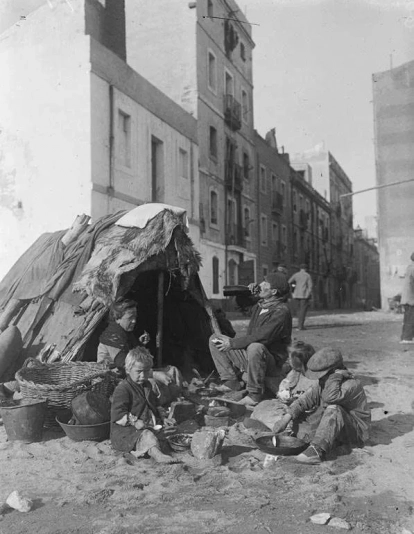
{"type": "Point", "coordinates": [23, 420]}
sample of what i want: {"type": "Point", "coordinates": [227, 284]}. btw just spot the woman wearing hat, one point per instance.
{"type": "Point", "coordinates": [342, 405]}
{"type": "Point", "coordinates": [262, 352]}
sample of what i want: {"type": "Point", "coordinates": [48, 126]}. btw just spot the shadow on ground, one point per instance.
{"type": "Point", "coordinates": [384, 431]}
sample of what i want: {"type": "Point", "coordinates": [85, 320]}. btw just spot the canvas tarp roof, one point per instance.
{"type": "Point", "coordinates": [100, 266]}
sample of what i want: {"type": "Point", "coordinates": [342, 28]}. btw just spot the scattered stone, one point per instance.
{"type": "Point", "coordinates": [406, 531]}
{"type": "Point", "coordinates": [207, 444]}
{"type": "Point", "coordinates": [337, 522]}
{"type": "Point", "coordinates": [16, 501]}
{"type": "Point", "coordinates": [320, 519]}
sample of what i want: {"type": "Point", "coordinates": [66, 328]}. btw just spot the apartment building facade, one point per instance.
{"type": "Point", "coordinates": [393, 97]}
{"type": "Point", "coordinates": [311, 244]}
{"type": "Point", "coordinates": [273, 205]}
{"type": "Point", "coordinates": [201, 56]}
{"type": "Point", "coordinates": [367, 269]}
{"type": "Point", "coordinates": [331, 182]}
{"type": "Point", "coordinates": [94, 137]}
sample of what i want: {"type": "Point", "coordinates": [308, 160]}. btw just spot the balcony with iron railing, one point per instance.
{"type": "Point", "coordinates": [232, 112]}
{"type": "Point", "coordinates": [277, 202]}
{"type": "Point", "coordinates": [233, 175]}
{"type": "Point", "coordinates": [235, 235]}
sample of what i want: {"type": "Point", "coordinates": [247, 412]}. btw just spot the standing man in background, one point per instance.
{"type": "Point", "coordinates": [407, 300]}
{"type": "Point", "coordinates": [302, 293]}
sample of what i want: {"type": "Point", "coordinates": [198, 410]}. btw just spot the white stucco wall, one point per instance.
{"type": "Point", "coordinates": [132, 185]}
{"type": "Point", "coordinates": [44, 126]}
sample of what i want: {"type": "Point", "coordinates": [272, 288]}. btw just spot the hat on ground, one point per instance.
{"type": "Point", "coordinates": [322, 362]}
{"type": "Point", "coordinates": [278, 281]}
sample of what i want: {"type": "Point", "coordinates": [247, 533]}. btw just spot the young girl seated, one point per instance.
{"type": "Point", "coordinates": [134, 411]}
{"type": "Point", "coordinates": [296, 383]}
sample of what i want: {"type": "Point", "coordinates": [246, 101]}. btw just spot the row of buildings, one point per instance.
{"type": "Point", "coordinates": [113, 103]}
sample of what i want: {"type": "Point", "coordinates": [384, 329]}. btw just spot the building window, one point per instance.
{"type": "Point", "coordinates": [263, 179]}
{"type": "Point", "coordinates": [213, 142]}
{"type": "Point", "coordinates": [247, 222]}
{"type": "Point", "coordinates": [246, 166]}
{"type": "Point", "coordinates": [215, 275]}
{"type": "Point", "coordinates": [274, 184]}
{"type": "Point", "coordinates": [295, 208]}
{"type": "Point", "coordinates": [183, 163]}
{"type": "Point", "coordinates": [213, 208]}
{"type": "Point", "coordinates": [265, 270]}
{"type": "Point", "coordinates": [284, 236]}
{"type": "Point", "coordinates": [124, 138]}
{"type": "Point", "coordinates": [295, 244]}
{"type": "Point", "coordinates": [242, 51]}
{"type": "Point", "coordinates": [245, 105]}
{"type": "Point", "coordinates": [275, 232]}
{"type": "Point", "coordinates": [263, 229]}
{"type": "Point", "coordinates": [212, 72]}
{"type": "Point", "coordinates": [228, 83]}
{"type": "Point", "coordinates": [283, 187]}
{"type": "Point", "coordinates": [210, 9]}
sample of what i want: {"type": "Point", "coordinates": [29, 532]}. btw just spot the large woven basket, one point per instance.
{"type": "Point", "coordinates": [59, 383]}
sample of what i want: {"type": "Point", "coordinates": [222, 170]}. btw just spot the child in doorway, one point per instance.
{"type": "Point", "coordinates": [134, 412]}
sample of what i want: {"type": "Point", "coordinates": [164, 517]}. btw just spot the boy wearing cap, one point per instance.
{"type": "Point", "coordinates": [341, 401]}
{"type": "Point", "coordinates": [263, 350]}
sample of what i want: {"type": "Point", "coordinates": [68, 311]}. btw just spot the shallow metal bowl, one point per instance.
{"type": "Point", "coordinates": [285, 445]}
{"type": "Point", "coordinates": [180, 442]}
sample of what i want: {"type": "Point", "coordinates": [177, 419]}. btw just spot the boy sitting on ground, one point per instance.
{"type": "Point", "coordinates": [342, 406]}
{"type": "Point", "coordinates": [134, 411]}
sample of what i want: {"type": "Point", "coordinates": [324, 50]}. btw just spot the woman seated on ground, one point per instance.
{"type": "Point", "coordinates": [119, 338]}
{"type": "Point", "coordinates": [134, 411]}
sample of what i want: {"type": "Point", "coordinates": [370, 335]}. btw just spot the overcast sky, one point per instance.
{"type": "Point", "coordinates": [313, 66]}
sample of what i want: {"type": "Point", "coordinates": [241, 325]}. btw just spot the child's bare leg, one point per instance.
{"type": "Point", "coordinates": [148, 443]}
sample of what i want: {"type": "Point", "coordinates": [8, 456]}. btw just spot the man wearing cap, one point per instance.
{"type": "Point", "coordinates": [262, 352]}
{"type": "Point", "coordinates": [343, 410]}
{"type": "Point", "coordinates": [407, 300]}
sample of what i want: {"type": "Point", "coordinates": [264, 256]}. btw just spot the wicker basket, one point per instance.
{"type": "Point", "coordinates": [59, 383]}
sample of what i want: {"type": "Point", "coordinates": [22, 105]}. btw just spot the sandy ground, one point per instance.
{"type": "Point", "coordinates": [86, 488]}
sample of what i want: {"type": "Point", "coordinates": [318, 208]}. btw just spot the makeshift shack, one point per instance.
{"type": "Point", "coordinates": [59, 292]}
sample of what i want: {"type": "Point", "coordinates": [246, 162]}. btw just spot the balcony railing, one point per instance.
{"type": "Point", "coordinates": [233, 175]}
{"type": "Point", "coordinates": [235, 235]}
{"type": "Point", "coordinates": [232, 112]}
{"type": "Point", "coordinates": [277, 202]}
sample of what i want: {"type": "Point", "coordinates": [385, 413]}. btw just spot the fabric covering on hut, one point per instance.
{"type": "Point", "coordinates": [59, 295]}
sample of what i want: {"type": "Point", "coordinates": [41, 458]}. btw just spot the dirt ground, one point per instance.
{"type": "Point", "coordinates": [85, 488]}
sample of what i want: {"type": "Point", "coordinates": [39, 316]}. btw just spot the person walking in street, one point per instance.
{"type": "Point", "coordinates": [407, 300]}
{"type": "Point", "coordinates": [302, 293]}
{"type": "Point", "coordinates": [262, 352]}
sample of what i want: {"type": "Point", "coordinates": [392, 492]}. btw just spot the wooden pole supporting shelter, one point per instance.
{"type": "Point", "coordinates": [160, 317]}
